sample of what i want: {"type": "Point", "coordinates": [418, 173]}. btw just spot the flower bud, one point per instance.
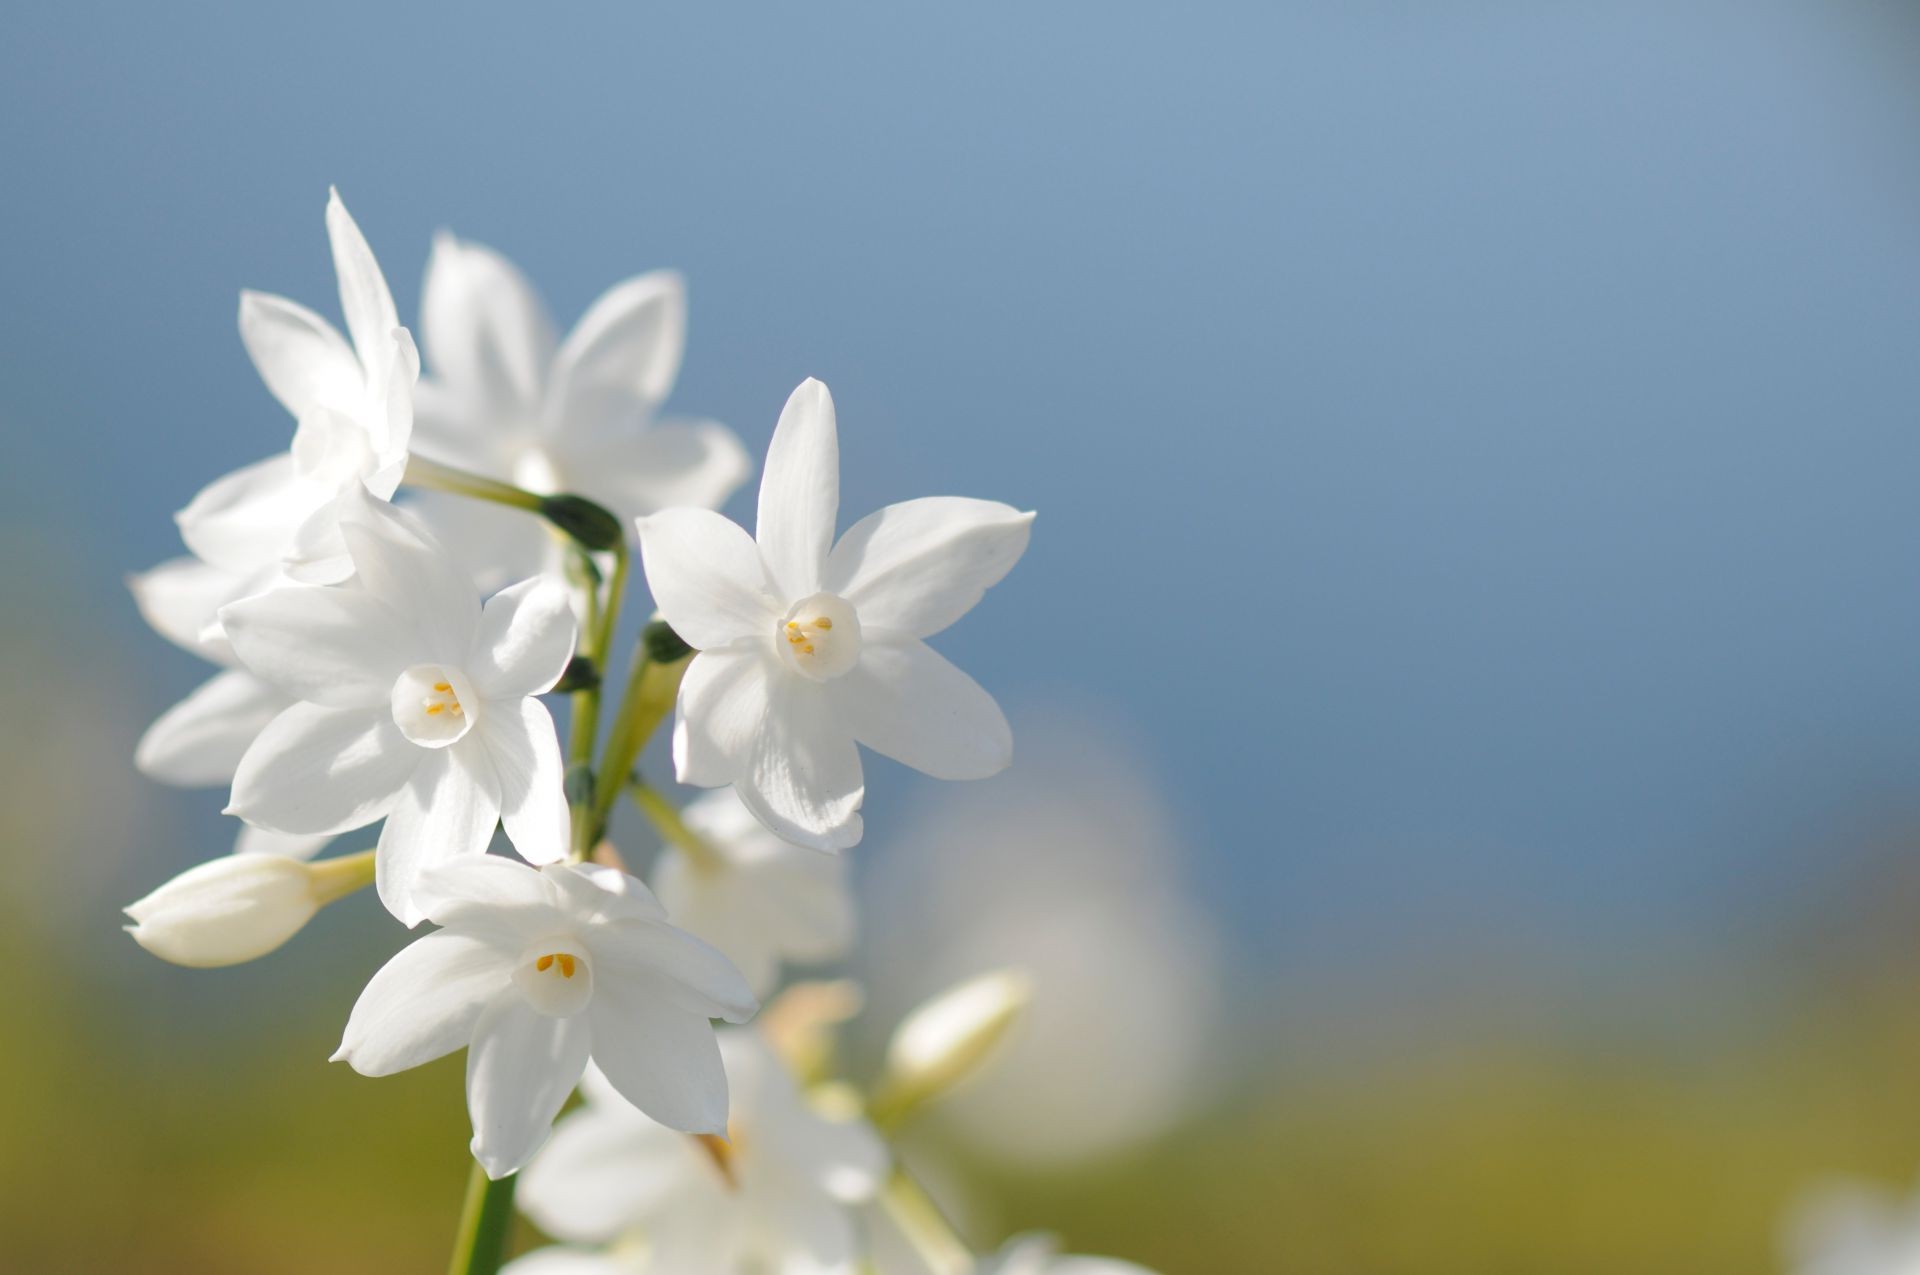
{"type": "Point", "coordinates": [239, 907]}
{"type": "Point", "coordinates": [589, 524]}
{"type": "Point", "coordinates": [946, 1039]}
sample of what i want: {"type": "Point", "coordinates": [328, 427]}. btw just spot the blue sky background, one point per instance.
{"type": "Point", "coordinates": [1475, 443]}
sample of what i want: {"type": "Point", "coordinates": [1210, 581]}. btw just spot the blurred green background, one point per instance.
{"type": "Point", "coordinates": [1468, 801]}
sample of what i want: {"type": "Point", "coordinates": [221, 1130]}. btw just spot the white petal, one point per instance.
{"type": "Point", "coordinates": [484, 326]}
{"type": "Point", "coordinates": [920, 565]}
{"type": "Point", "coordinates": [181, 599]}
{"type": "Point", "coordinates": [398, 562]}
{"type": "Point", "coordinates": [620, 360]}
{"type": "Point", "coordinates": [525, 749]}
{"type": "Point", "coordinates": [906, 700]}
{"type": "Point", "coordinates": [635, 473]}
{"type": "Point", "coordinates": [800, 491]}
{"type": "Point", "coordinates": [316, 769]}
{"type": "Point", "coordinates": [604, 1172]}
{"type": "Point", "coordinates": [335, 646]}
{"type": "Point", "coordinates": [243, 520]}
{"type": "Point", "coordinates": [554, 1260]}
{"type": "Point", "coordinates": [300, 356]}
{"type": "Point", "coordinates": [423, 1003]}
{"type": "Point", "coordinates": [520, 1069]}
{"type": "Point", "coordinates": [390, 429]}
{"type": "Point", "coordinates": [706, 577]}
{"type": "Point", "coordinates": [703, 980]}
{"type": "Point", "coordinates": [495, 544]}
{"type": "Point", "coordinates": [724, 698]}
{"type": "Point", "coordinates": [447, 810]}
{"type": "Point", "coordinates": [593, 892]}
{"type": "Point", "coordinates": [490, 893]}
{"type": "Point", "coordinates": [364, 298]}
{"type": "Point", "coordinates": [285, 845]}
{"type": "Point", "coordinates": [524, 640]}
{"type": "Point", "coordinates": [199, 741]}
{"type": "Point", "coordinates": [660, 1057]}
{"type": "Point", "coordinates": [803, 775]}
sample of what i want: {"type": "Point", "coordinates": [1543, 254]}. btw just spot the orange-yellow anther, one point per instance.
{"type": "Point", "coordinates": [822, 622]}
{"type": "Point", "coordinates": [567, 962]}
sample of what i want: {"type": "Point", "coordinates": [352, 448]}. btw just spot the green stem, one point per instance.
{"type": "Point", "coordinates": [485, 1220]}
{"type": "Point", "coordinates": [598, 641]}
{"type": "Point", "coordinates": [672, 828]}
{"type": "Point", "coordinates": [431, 475]}
{"type": "Point", "coordinates": [648, 699]}
{"type": "Point", "coordinates": [924, 1225]}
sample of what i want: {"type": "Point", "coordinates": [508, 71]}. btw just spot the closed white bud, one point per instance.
{"type": "Point", "coordinates": [945, 1040]}
{"type": "Point", "coordinates": [239, 907]}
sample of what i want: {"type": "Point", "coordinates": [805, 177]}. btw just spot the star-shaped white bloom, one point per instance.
{"type": "Point", "coordinates": [504, 398]}
{"type": "Point", "coordinates": [779, 1196]}
{"type": "Point", "coordinates": [535, 971]}
{"type": "Point", "coordinates": [762, 901]}
{"type": "Point", "coordinates": [354, 406]}
{"type": "Point", "coordinates": [414, 703]}
{"type": "Point", "coordinates": [806, 646]}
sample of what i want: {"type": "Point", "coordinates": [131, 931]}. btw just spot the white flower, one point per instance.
{"type": "Point", "coordinates": [1854, 1228]}
{"type": "Point", "coordinates": [535, 972]}
{"type": "Point", "coordinates": [554, 1260]}
{"type": "Point", "coordinates": [354, 405]}
{"type": "Point", "coordinates": [1039, 1255]}
{"type": "Point", "coordinates": [199, 741]}
{"type": "Point", "coordinates": [505, 399]}
{"type": "Point", "coordinates": [778, 1196]}
{"type": "Point", "coordinates": [806, 645]}
{"type": "Point", "coordinates": [415, 703]}
{"type": "Point", "coordinates": [757, 898]}
{"type": "Point", "coordinates": [239, 907]}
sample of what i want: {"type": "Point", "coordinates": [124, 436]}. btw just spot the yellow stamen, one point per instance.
{"type": "Point", "coordinates": [822, 622]}
{"type": "Point", "coordinates": [794, 625]}
{"type": "Point", "coordinates": [566, 965]}
{"type": "Point", "coordinates": [807, 649]}
{"type": "Point", "coordinates": [544, 964]}
{"type": "Point", "coordinates": [434, 708]}
{"type": "Point", "coordinates": [442, 687]}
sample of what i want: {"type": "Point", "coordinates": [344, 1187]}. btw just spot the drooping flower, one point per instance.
{"type": "Point", "coordinates": [779, 1195]}
{"type": "Point", "coordinates": [806, 646]}
{"type": "Point", "coordinates": [535, 971]}
{"type": "Point", "coordinates": [414, 703]}
{"type": "Point", "coordinates": [504, 398]}
{"type": "Point", "coordinates": [239, 907]}
{"type": "Point", "coordinates": [354, 408]}
{"type": "Point", "coordinates": [761, 900]}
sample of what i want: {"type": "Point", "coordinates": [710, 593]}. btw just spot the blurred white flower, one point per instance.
{"type": "Point", "coordinates": [806, 646]}
{"type": "Point", "coordinates": [504, 399]}
{"type": "Point", "coordinates": [239, 907]}
{"type": "Point", "coordinates": [354, 408]}
{"type": "Point", "coordinates": [536, 971]}
{"type": "Point", "coordinates": [555, 1260]}
{"type": "Point", "coordinates": [1040, 1255]}
{"type": "Point", "coordinates": [778, 1196]}
{"type": "Point", "coordinates": [414, 703]}
{"type": "Point", "coordinates": [1854, 1229]}
{"type": "Point", "coordinates": [944, 1041]}
{"type": "Point", "coordinates": [755, 897]}
{"type": "Point", "coordinates": [1069, 870]}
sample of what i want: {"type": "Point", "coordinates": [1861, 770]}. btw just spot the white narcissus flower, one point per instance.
{"type": "Point", "coordinates": [757, 898]}
{"type": "Point", "coordinates": [780, 1196]}
{"type": "Point", "coordinates": [414, 703]}
{"type": "Point", "coordinates": [1040, 1255]}
{"type": "Point", "coordinates": [504, 398]}
{"type": "Point", "coordinates": [806, 646]}
{"type": "Point", "coordinates": [354, 408]}
{"type": "Point", "coordinates": [535, 971]}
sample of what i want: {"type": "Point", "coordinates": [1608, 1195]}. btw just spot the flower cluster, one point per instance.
{"type": "Point", "coordinates": [392, 599]}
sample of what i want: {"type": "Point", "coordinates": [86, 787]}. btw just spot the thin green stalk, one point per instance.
{"type": "Point", "coordinates": [924, 1225]}
{"type": "Point", "coordinates": [672, 828]}
{"type": "Point", "coordinates": [648, 699]}
{"type": "Point", "coordinates": [485, 1220]}
{"type": "Point", "coordinates": [431, 475]}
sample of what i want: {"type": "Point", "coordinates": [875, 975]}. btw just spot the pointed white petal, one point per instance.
{"type": "Point", "coordinates": [920, 565]}
{"type": "Point", "coordinates": [803, 775]}
{"type": "Point", "coordinates": [495, 544]}
{"type": "Point", "coordinates": [660, 1057]}
{"type": "Point", "coordinates": [340, 647]}
{"type": "Point", "coordinates": [525, 748]}
{"type": "Point", "coordinates": [484, 327]}
{"type": "Point", "coordinates": [606, 1169]}
{"type": "Point", "coordinates": [199, 741]}
{"type": "Point", "coordinates": [181, 599]}
{"type": "Point", "coordinates": [243, 520]}
{"type": "Point", "coordinates": [423, 1003]}
{"type": "Point", "coordinates": [706, 577]}
{"type": "Point", "coordinates": [520, 1069]}
{"type": "Point", "coordinates": [800, 491]}
{"type": "Point", "coordinates": [672, 463]}
{"type": "Point", "coordinates": [364, 298]}
{"type": "Point", "coordinates": [906, 700]}
{"type": "Point", "coordinates": [724, 698]}
{"type": "Point", "coordinates": [524, 639]}
{"type": "Point", "coordinates": [704, 981]}
{"type": "Point", "coordinates": [620, 360]}
{"type": "Point", "coordinates": [593, 892]}
{"type": "Point", "coordinates": [300, 356]}
{"type": "Point", "coordinates": [399, 562]}
{"type": "Point", "coordinates": [447, 810]}
{"type": "Point", "coordinates": [490, 893]}
{"type": "Point", "coordinates": [315, 770]}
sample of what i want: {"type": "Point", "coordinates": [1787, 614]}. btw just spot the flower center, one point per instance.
{"type": "Point", "coordinates": [555, 978]}
{"type": "Point", "coordinates": [819, 637]}
{"type": "Point", "coordinates": [434, 705]}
